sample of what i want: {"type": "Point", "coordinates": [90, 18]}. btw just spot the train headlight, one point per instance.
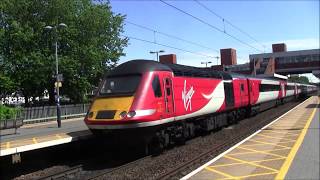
{"type": "Point", "coordinates": [131, 114]}
{"type": "Point", "coordinates": [123, 114]}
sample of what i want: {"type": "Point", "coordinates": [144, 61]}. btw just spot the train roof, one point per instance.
{"type": "Point", "coordinates": [140, 66]}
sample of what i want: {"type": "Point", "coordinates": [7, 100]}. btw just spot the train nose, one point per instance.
{"type": "Point", "coordinates": [109, 108]}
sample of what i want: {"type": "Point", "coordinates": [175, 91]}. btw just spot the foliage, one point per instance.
{"type": "Point", "coordinates": [89, 46]}
{"type": "Point", "coordinates": [299, 79]}
{"type": "Point", "coordinates": [7, 112]}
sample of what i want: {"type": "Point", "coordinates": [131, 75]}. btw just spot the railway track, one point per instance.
{"type": "Point", "coordinates": [78, 172]}
{"type": "Point", "coordinates": [172, 164]}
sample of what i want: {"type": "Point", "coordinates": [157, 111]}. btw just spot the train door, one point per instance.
{"type": "Point", "coordinates": [228, 93]}
{"type": "Point", "coordinates": [282, 89]}
{"type": "Point", "coordinates": [251, 92]}
{"type": "Point", "coordinates": [168, 96]}
{"type": "Point", "coordinates": [242, 93]}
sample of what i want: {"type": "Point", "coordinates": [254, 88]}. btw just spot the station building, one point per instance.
{"type": "Point", "coordinates": [280, 61]}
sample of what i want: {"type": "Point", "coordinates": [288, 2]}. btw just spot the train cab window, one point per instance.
{"type": "Point", "coordinates": [156, 86]}
{"type": "Point", "coordinates": [120, 85]}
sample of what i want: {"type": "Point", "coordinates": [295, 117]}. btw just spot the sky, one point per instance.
{"type": "Point", "coordinates": [264, 23]}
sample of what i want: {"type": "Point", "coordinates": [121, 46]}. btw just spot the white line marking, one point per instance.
{"type": "Point", "coordinates": [235, 146]}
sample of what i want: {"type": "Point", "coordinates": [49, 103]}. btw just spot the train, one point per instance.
{"type": "Point", "coordinates": [162, 104]}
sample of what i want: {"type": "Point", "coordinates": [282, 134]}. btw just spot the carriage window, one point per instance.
{"type": "Point", "coordinates": [168, 91]}
{"type": "Point", "coordinates": [269, 87]}
{"type": "Point", "coordinates": [156, 86]}
{"type": "Point", "coordinates": [242, 87]}
{"type": "Point", "coordinates": [167, 82]}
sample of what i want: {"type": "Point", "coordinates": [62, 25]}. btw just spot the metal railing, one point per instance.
{"type": "Point", "coordinates": [43, 114]}
{"type": "Point", "coordinates": [47, 113]}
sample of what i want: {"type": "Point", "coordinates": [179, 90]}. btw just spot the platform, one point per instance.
{"type": "Point", "coordinates": [36, 136]}
{"type": "Point", "coordinates": [287, 148]}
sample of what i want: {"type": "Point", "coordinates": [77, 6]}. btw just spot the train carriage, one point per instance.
{"type": "Point", "coordinates": [170, 102]}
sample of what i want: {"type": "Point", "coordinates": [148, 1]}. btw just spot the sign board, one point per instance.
{"type": "Point", "coordinates": [59, 77]}
{"type": "Point", "coordinates": [58, 84]}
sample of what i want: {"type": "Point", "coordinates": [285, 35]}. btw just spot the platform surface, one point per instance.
{"type": "Point", "coordinates": [288, 148]}
{"type": "Point", "coordinates": [40, 135]}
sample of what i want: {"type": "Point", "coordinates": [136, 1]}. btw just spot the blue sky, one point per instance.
{"type": "Point", "coordinates": [294, 22]}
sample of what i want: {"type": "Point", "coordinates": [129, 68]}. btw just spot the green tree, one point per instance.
{"type": "Point", "coordinates": [87, 48]}
{"type": "Point", "coordinates": [299, 79]}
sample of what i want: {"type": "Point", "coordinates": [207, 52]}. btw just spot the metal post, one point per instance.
{"type": "Point", "coordinates": [57, 85]}
{"type": "Point", "coordinates": [157, 56]}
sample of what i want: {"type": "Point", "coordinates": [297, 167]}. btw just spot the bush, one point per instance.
{"type": "Point", "coordinates": [7, 112]}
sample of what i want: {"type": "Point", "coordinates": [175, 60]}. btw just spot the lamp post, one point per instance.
{"type": "Point", "coordinates": [206, 63]}
{"type": "Point", "coordinates": [58, 76]}
{"type": "Point", "coordinates": [157, 52]}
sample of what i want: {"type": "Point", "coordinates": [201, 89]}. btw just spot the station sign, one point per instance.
{"type": "Point", "coordinates": [58, 84]}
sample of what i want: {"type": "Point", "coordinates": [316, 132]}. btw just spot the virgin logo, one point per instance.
{"type": "Point", "coordinates": [186, 96]}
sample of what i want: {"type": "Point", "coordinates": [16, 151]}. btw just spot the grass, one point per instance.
{"type": "Point", "coordinates": [8, 112]}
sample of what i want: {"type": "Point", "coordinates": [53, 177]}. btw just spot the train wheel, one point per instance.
{"type": "Point", "coordinates": [156, 145]}
{"type": "Point", "coordinates": [97, 133]}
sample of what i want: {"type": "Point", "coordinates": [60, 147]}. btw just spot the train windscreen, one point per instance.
{"type": "Point", "coordinates": [122, 85]}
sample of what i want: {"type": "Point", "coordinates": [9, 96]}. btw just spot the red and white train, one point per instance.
{"type": "Point", "coordinates": [170, 102]}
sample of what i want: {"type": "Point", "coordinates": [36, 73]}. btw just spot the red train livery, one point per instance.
{"type": "Point", "coordinates": [170, 102]}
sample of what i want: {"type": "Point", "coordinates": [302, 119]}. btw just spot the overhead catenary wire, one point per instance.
{"type": "Point", "coordinates": [228, 22]}
{"type": "Point", "coordinates": [168, 46]}
{"type": "Point", "coordinates": [210, 25]}
{"type": "Point", "coordinates": [171, 36]}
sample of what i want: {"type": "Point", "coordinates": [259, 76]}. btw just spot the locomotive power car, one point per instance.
{"type": "Point", "coordinates": [161, 104]}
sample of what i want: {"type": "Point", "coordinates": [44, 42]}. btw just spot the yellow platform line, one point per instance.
{"type": "Point", "coordinates": [229, 164]}
{"type": "Point", "coordinates": [251, 175]}
{"type": "Point", "coordinates": [58, 136]}
{"type": "Point", "coordinates": [221, 173]}
{"type": "Point", "coordinates": [232, 164]}
{"type": "Point", "coordinates": [262, 152]}
{"type": "Point", "coordinates": [251, 163]}
{"type": "Point", "coordinates": [276, 131]}
{"type": "Point", "coordinates": [268, 140]}
{"type": "Point", "coordinates": [266, 160]}
{"type": "Point", "coordinates": [268, 143]}
{"type": "Point", "coordinates": [8, 145]}
{"type": "Point", "coordinates": [274, 137]}
{"type": "Point", "coordinates": [286, 165]}
{"type": "Point", "coordinates": [260, 144]}
{"type": "Point", "coordinates": [270, 150]}
{"type": "Point", "coordinates": [286, 135]}
{"type": "Point", "coordinates": [34, 140]}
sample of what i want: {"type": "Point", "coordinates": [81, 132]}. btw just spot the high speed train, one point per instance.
{"type": "Point", "coordinates": [162, 104]}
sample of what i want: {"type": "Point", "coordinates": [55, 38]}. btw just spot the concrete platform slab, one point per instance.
{"type": "Point", "coordinates": [271, 151]}
{"type": "Point", "coordinates": [36, 136]}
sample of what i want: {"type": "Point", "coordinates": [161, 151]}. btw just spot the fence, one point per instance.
{"type": "Point", "coordinates": [47, 113]}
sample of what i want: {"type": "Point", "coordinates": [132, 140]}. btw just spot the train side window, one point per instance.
{"type": "Point", "coordinates": [242, 87]}
{"type": "Point", "coordinates": [167, 82]}
{"type": "Point", "coordinates": [168, 91]}
{"type": "Point", "coordinates": [156, 86]}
